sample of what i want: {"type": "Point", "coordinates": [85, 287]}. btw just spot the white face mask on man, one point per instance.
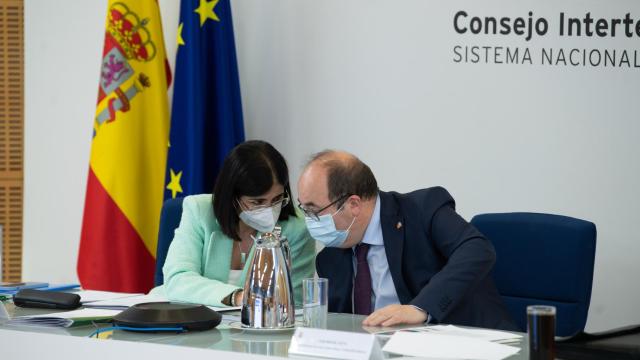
{"type": "Point", "coordinates": [324, 229]}
{"type": "Point", "coordinates": [262, 219]}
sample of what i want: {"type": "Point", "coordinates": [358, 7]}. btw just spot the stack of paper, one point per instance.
{"type": "Point", "coordinates": [121, 303]}
{"type": "Point", "coordinates": [61, 287]}
{"type": "Point", "coordinates": [12, 288]}
{"type": "Point", "coordinates": [38, 286]}
{"type": "Point", "coordinates": [450, 342]}
{"type": "Point", "coordinates": [125, 302]}
{"type": "Point", "coordinates": [4, 314]}
{"type": "Point", "coordinates": [476, 333]}
{"type": "Point", "coordinates": [66, 319]}
{"type": "Point", "coordinates": [92, 296]}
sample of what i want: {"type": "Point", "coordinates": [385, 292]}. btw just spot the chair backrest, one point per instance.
{"type": "Point", "coordinates": [169, 221]}
{"type": "Point", "coordinates": [543, 259]}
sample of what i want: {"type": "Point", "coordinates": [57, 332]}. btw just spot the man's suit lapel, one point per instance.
{"type": "Point", "coordinates": [337, 265]}
{"type": "Point", "coordinates": [393, 228]}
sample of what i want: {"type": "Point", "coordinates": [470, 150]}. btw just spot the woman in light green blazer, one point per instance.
{"type": "Point", "coordinates": [209, 256]}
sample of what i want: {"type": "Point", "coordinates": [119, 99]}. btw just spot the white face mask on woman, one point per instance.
{"type": "Point", "coordinates": [263, 219]}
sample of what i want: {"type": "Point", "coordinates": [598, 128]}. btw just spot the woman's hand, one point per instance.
{"type": "Point", "coordinates": [238, 297]}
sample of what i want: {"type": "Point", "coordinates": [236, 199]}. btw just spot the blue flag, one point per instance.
{"type": "Point", "coordinates": [206, 117]}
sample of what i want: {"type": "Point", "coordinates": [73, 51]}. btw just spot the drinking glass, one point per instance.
{"type": "Point", "coordinates": [315, 301]}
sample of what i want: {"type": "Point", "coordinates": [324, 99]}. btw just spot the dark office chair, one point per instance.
{"type": "Point", "coordinates": [169, 221]}
{"type": "Point", "coordinates": [543, 259]}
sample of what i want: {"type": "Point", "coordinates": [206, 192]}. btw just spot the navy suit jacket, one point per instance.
{"type": "Point", "coordinates": [438, 262]}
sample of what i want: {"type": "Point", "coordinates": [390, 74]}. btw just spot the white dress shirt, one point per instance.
{"type": "Point", "coordinates": [383, 290]}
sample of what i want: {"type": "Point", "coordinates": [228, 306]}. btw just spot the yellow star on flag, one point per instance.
{"type": "Point", "coordinates": [180, 39]}
{"type": "Point", "coordinates": [174, 184]}
{"type": "Point", "coordinates": [205, 10]}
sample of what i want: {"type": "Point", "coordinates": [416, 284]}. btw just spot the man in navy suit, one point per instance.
{"type": "Point", "coordinates": [398, 258]}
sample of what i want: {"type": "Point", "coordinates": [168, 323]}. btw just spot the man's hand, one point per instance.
{"type": "Point", "coordinates": [394, 315]}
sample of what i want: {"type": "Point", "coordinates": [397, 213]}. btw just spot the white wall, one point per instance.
{"type": "Point", "coordinates": [62, 59]}
{"type": "Point", "coordinates": [375, 78]}
{"type": "Point", "coordinates": [64, 41]}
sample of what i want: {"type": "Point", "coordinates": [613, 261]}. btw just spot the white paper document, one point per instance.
{"type": "Point", "coordinates": [225, 308]}
{"type": "Point", "coordinates": [125, 302]}
{"type": "Point", "coordinates": [88, 296]}
{"type": "Point", "coordinates": [479, 334]}
{"type": "Point", "coordinates": [433, 345]}
{"type": "Point", "coordinates": [64, 319]}
{"type": "Point", "coordinates": [334, 344]}
{"type": "Point", "coordinates": [4, 314]}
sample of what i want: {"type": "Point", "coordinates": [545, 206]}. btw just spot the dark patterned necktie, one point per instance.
{"type": "Point", "coordinates": [362, 286]}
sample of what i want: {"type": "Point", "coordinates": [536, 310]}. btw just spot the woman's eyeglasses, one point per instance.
{"type": "Point", "coordinates": [257, 204]}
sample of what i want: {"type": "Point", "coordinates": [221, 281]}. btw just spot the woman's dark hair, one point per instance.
{"type": "Point", "coordinates": [250, 169]}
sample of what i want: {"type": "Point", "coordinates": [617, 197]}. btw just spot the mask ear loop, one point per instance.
{"type": "Point", "coordinates": [276, 218]}
{"type": "Point", "coordinates": [340, 209]}
{"type": "Point", "coordinates": [352, 222]}
{"type": "Point", "coordinates": [238, 205]}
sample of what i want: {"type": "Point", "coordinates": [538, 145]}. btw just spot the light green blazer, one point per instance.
{"type": "Point", "coordinates": [199, 259]}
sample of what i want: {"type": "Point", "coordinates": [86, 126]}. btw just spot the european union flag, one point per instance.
{"type": "Point", "coordinates": [206, 117]}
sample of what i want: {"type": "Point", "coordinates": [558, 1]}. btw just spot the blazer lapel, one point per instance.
{"type": "Point", "coordinates": [337, 265]}
{"type": "Point", "coordinates": [392, 223]}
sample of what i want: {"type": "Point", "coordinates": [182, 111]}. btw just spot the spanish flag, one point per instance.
{"type": "Point", "coordinates": [128, 153]}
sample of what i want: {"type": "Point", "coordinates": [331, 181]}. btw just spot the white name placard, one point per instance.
{"type": "Point", "coordinates": [332, 344]}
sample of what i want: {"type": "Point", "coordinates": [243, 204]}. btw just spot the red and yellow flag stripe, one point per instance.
{"type": "Point", "coordinates": [128, 153]}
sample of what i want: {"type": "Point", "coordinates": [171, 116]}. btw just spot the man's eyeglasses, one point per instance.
{"type": "Point", "coordinates": [258, 204]}
{"type": "Point", "coordinates": [315, 215]}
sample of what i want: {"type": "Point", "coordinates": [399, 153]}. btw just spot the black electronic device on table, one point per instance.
{"type": "Point", "coordinates": [168, 315]}
{"type": "Point", "coordinates": [46, 299]}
